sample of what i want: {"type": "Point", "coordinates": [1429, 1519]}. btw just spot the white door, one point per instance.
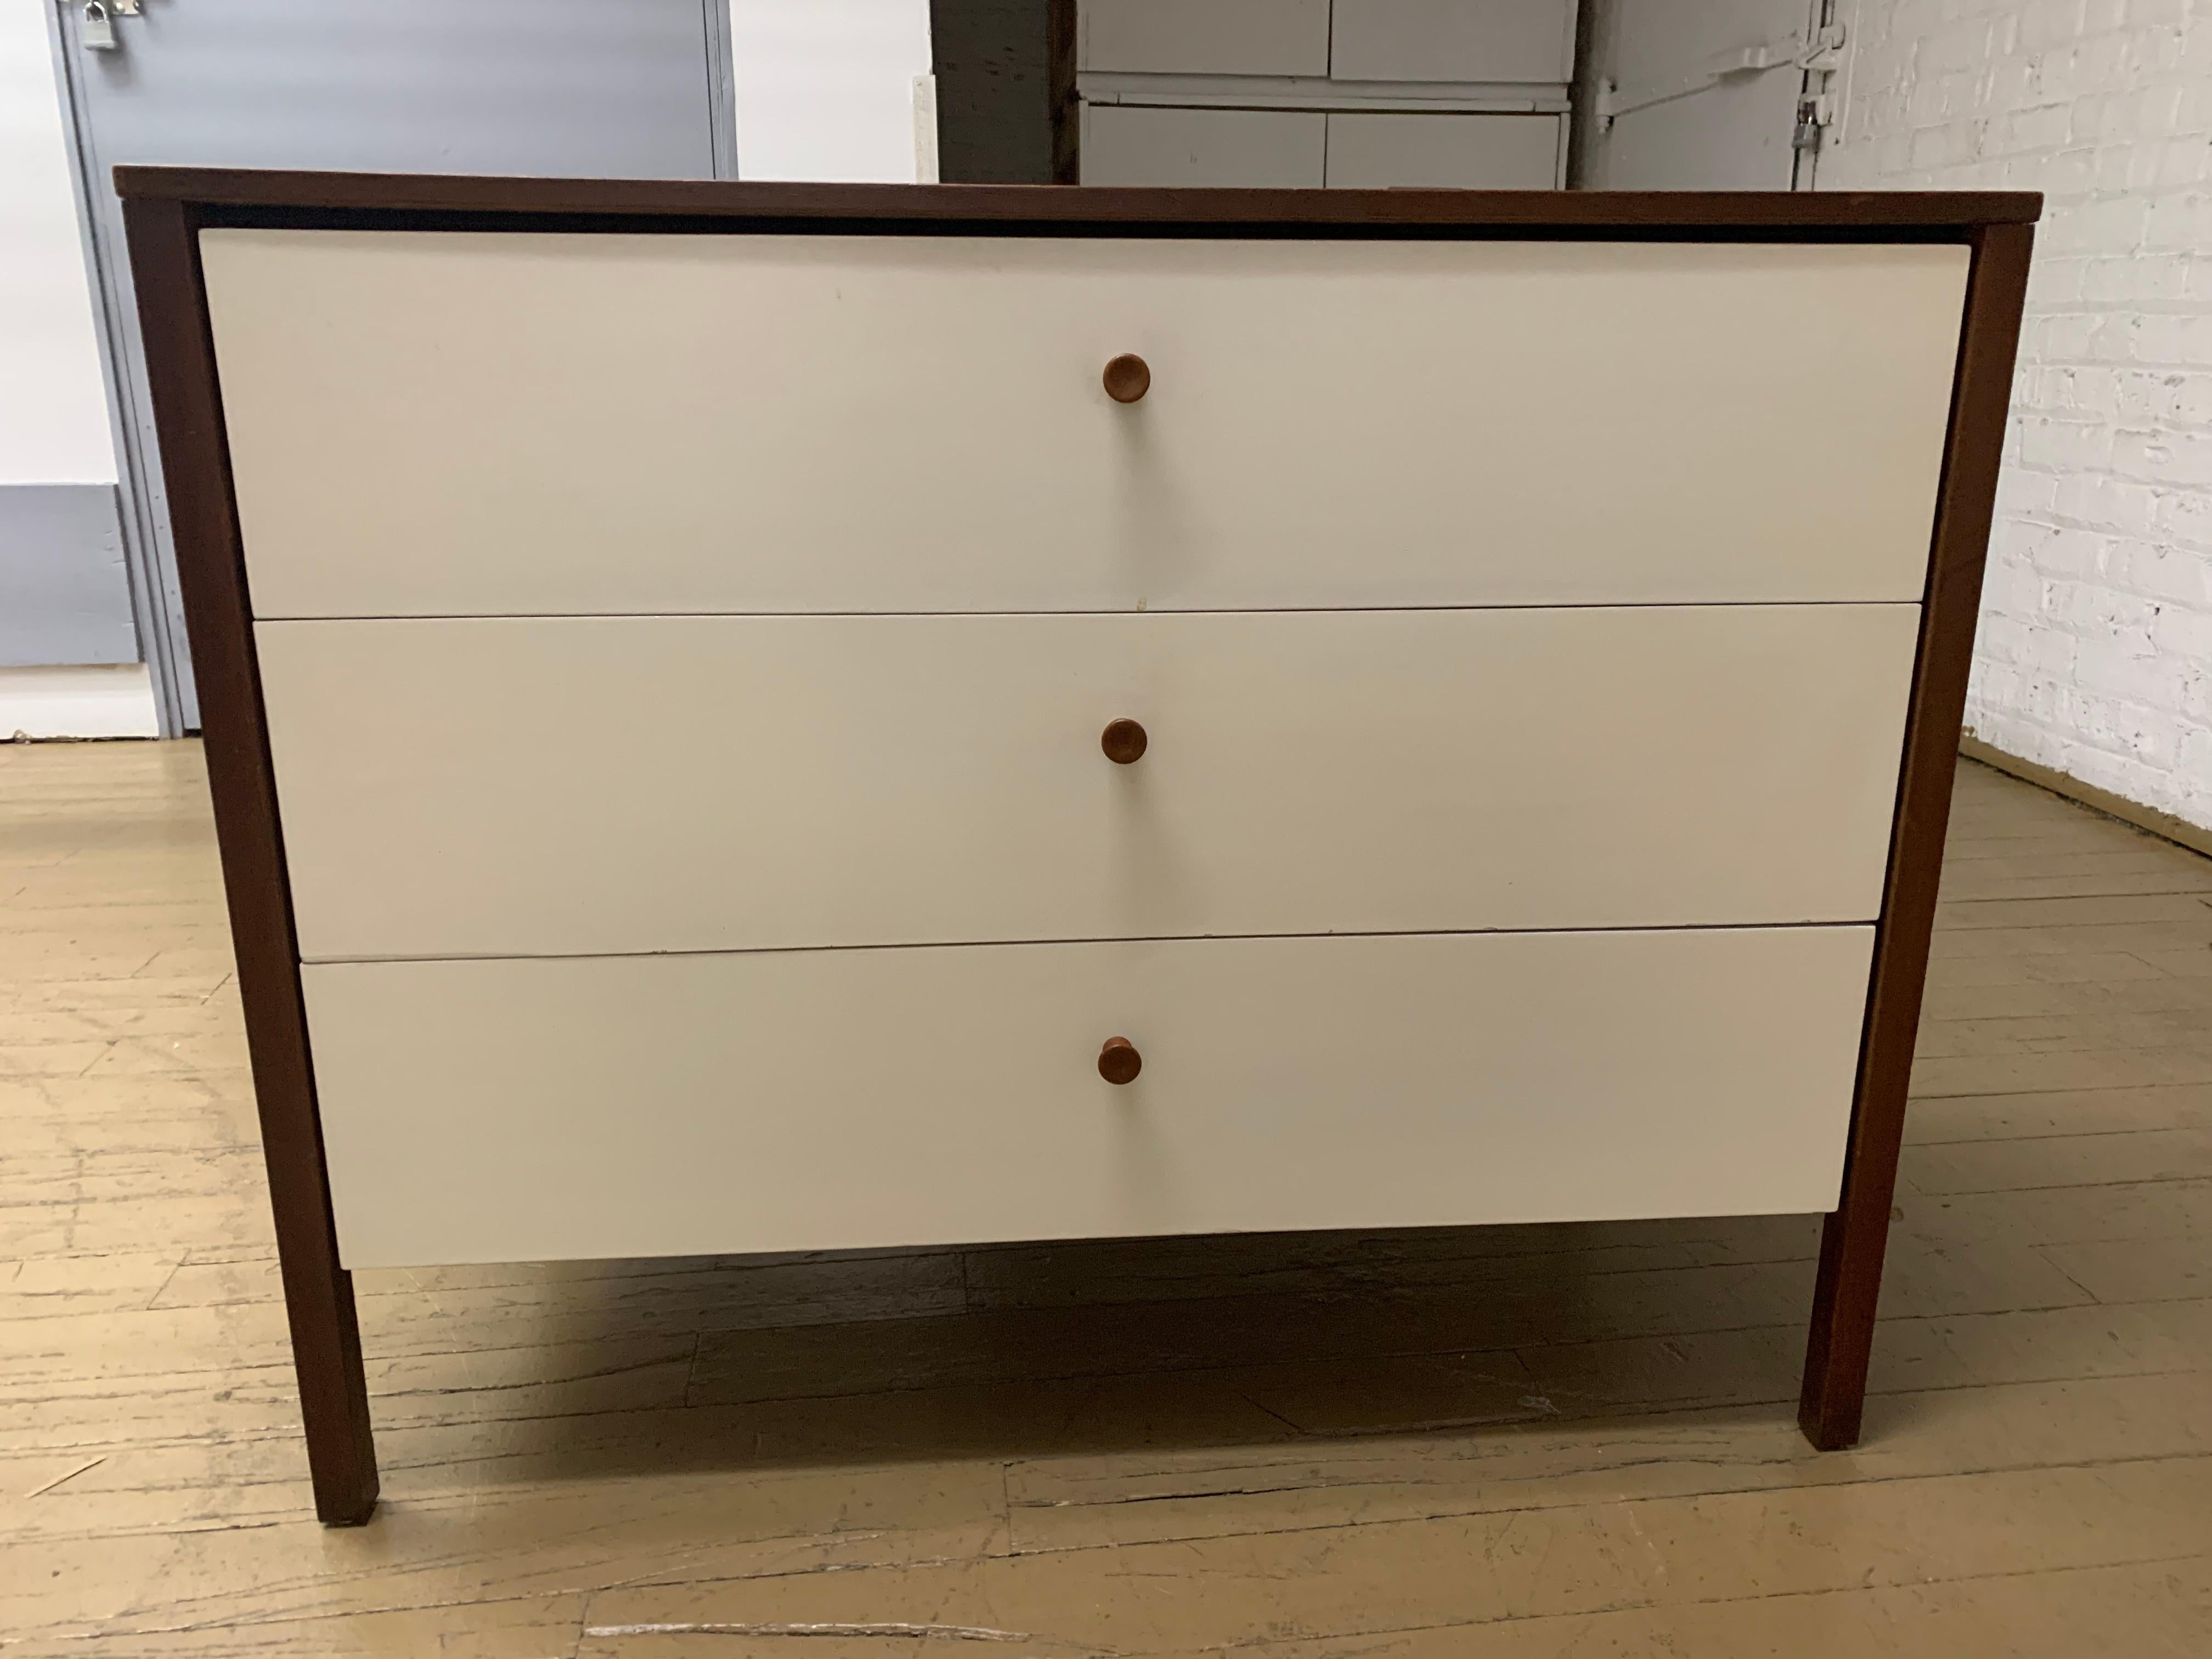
{"type": "Point", "coordinates": [594, 88]}
{"type": "Point", "coordinates": [1705, 95]}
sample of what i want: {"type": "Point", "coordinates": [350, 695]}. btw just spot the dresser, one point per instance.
{"type": "Point", "coordinates": [758, 718]}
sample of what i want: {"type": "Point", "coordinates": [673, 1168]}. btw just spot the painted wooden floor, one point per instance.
{"type": "Point", "coordinates": [1541, 1442]}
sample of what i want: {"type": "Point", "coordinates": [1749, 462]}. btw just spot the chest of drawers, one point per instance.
{"type": "Point", "coordinates": [765, 718]}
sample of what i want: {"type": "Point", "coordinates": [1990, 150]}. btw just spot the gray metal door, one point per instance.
{"type": "Point", "coordinates": [604, 89]}
{"type": "Point", "coordinates": [1705, 95]}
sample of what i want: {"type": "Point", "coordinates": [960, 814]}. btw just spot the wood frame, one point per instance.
{"type": "Point", "coordinates": [1856, 1233]}
{"type": "Point", "coordinates": [165, 209]}
{"type": "Point", "coordinates": [318, 1302]}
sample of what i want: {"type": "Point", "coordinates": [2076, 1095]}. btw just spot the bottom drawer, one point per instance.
{"type": "Point", "coordinates": [1443, 152]}
{"type": "Point", "coordinates": [528, 1109]}
{"type": "Point", "coordinates": [1133, 144]}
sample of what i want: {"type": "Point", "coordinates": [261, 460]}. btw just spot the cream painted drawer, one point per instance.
{"type": "Point", "coordinates": [525, 1110]}
{"type": "Point", "coordinates": [586, 786]}
{"type": "Point", "coordinates": [503, 424]}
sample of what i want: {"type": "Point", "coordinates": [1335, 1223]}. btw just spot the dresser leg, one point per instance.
{"type": "Point", "coordinates": [1857, 1233]}
{"type": "Point", "coordinates": [333, 1394]}
{"type": "Point", "coordinates": [164, 241]}
{"type": "Point", "coordinates": [1833, 1398]}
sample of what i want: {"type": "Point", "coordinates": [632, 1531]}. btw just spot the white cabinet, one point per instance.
{"type": "Point", "coordinates": [1424, 94]}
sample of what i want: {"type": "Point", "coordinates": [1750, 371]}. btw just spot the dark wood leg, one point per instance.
{"type": "Point", "coordinates": [1834, 1396]}
{"type": "Point", "coordinates": [333, 1395]}
{"type": "Point", "coordinates": [1857, 1233]}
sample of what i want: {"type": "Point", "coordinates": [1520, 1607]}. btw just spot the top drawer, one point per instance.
{"type": "Point", "coordinates": [1452, 40]}
{"type": "Point", "coordinates": [454, 423]}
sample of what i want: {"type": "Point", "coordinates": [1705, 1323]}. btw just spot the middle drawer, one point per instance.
{"type": "Point", "coordinates": [605, 785]}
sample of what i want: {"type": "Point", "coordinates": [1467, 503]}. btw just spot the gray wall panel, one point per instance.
{"type": "Point", "coordinates": [993, 91]}
{"type": "Point", "coordinates": [64, 594]}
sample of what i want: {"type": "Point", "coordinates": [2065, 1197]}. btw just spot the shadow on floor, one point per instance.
{"type": "Point", "coordinates": [1028, 1351]}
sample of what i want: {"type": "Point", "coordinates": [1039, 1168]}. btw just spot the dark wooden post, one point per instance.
{"type": "Point", "coordinates": [1857, 1233]}
{"type": "Point", "coordinates": [165, 263]}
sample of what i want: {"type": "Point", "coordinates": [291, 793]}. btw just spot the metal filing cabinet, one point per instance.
{"type": "Point", "coordinates": [1359, 94]}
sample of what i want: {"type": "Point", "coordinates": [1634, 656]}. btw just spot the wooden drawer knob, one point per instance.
{"type": "Point", "coordinates": [1124, 741]}
{"type": "Point", "coordinates": [1128, 377]}
{"type": "Point", "coordinates": [1119, 1060]}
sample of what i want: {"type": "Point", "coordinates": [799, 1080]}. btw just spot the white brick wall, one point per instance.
{"type": "Point", "coordinates": [2095, 651]}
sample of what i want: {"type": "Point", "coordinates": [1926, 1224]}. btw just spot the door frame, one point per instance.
{"type": "Point", "coordinates": [156, 604]}
{"type": "Point", "coordinates": [157, 614]}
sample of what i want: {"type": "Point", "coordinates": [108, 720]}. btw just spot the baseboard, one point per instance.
{"type": "Point", "coordinates": [2194, 837]}
{"type": "Point", "coordinates": [114, 700]}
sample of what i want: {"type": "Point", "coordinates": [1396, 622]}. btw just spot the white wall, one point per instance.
{"type": "Point", "coordinates": [825, 88]}
{"type": "Point", "coordinates": [2096, 653]}
{"type": "Point", "coordinates": [53, 401]}
{"type": "Point", "coordinates": [53, 396]}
